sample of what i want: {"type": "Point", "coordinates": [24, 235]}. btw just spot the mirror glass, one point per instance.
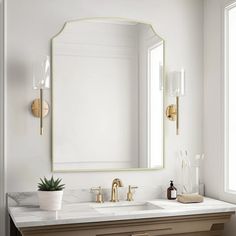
{"type": "Point", "coordinates": [107, 96]}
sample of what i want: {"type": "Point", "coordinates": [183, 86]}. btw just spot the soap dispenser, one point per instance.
{"type": "Point", "coordinates": [171, 191]}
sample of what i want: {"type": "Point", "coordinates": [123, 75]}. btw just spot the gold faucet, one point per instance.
{"type": "Point", "coordinates": [114, 189]}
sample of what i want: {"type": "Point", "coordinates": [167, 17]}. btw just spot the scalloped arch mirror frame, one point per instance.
{"type": "Point", "coordinates": [107, 96]}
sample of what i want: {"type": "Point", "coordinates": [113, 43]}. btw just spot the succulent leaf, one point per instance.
{"type": "Point", "coordinates": [50, 184]}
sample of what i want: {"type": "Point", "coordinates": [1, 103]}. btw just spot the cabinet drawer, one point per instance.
{"type": "Point", "coordinates": [147, 230]}
{"type": "Point", "coordinates": [149, 233]}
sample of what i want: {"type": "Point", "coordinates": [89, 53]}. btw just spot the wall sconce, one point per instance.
{"type": "Point", "coordinates": [176, 88]}
{"type": "Point", "coordinates": [41, 81]}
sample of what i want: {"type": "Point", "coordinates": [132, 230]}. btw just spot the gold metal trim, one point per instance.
{"type": "Point", "coordinates": [99, 195]}
{"type": "Point", "coordinates": [40, 109]}
{"type": "Point", "coordinates": [130, 194]}
{"type": "Point", "coordinates": [107, 170]}
{"type": "Point", "coordinates": [177, 117]}
{"type": "Point", "coordinates": [171, 112]}
{"type": "Point", "coordinates": [36, 108]}
{"type": "Point", "coordinates": [164, 99]}
{"type": "Point", "coordinates": [116, 183]}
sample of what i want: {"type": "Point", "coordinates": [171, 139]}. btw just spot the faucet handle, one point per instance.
{"type": "Point", "coordinates": [130, 193]}
{"type": "Point", "coordinates": [99, 196]}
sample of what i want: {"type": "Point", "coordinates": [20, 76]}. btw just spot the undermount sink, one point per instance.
{"type": "Point", "coordinates": [134, 207]}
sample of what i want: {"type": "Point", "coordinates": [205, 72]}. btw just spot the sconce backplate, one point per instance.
{"type": "Point", "coordinates": [36, 108]}
{"type": "Point", "coordinates": [171, 112]}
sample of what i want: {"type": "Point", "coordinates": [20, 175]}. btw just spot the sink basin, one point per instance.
{"type": "Point", "coordinates": [126, 208]}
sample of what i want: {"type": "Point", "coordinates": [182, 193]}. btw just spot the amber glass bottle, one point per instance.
{"type": "Point", "coordinates": [171, 191]}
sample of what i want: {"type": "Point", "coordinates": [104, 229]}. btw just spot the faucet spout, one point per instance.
{"type": "Point", "coordinates": [114, 189]}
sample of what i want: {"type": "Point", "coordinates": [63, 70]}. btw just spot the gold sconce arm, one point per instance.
{"type": "Point", "coordinates": [177, 116]}
{"type": "Point", "coordinates": [40, 109]}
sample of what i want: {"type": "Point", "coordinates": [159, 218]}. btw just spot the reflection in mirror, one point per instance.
{"type": "Point", "coordinates": [107, 96]}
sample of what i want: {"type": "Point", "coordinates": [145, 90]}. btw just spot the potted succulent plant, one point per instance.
{"type": "Point", "coordinates": [50, 194]}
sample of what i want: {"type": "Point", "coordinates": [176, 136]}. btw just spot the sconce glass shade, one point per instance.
{"type": "Point", "coordinates": [176, 83]}
{"type": "Point", "coordinates": [41, 72]}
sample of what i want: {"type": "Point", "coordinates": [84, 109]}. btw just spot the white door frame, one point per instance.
{"type": "Point", "coordinates": [2, 115]}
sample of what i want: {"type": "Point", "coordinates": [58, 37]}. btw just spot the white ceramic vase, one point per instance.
{"type": "Point", "coordinates": [50, 200]}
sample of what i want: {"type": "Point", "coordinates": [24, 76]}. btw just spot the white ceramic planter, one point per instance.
{"type": "Point", "coordinates": [50, 200]}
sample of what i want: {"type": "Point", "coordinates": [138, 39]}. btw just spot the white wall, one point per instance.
{"type": "Point", "coordinates": [213, 95]}
{"type": "Point", "coordinates": [31, 24]}
{"type": "Point", "coordinates": [2, 163]}
{"type": "Point", "coordinates": [212, 98]}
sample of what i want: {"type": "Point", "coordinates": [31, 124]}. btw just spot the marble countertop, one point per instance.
{"type": "Point", "coordinates": [30, 216]}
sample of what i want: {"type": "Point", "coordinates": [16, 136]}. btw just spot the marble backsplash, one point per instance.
{"type": "Point", "coordinates": [85, 195]}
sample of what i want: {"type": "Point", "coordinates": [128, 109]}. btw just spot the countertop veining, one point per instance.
{"type": "Point", "coordinates": [30, 216]}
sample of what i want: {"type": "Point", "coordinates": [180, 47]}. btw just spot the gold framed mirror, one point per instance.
{"type": "Point", "coordinates": [107, 99]}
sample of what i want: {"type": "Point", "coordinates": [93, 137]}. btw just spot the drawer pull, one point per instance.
{"type": "Point", "coordinates": [143, 234]}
